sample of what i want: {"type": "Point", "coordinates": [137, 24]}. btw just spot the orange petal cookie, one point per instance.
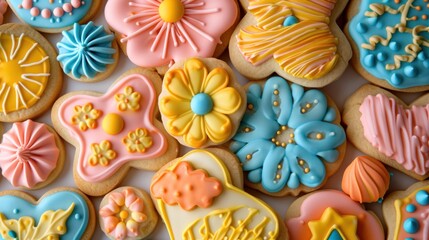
{"type": "Point", "coordinates": [196, 199]}
{"type": "Point", "coordinates": [365, 180]}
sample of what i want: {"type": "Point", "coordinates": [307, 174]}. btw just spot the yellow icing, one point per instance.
{"type": "Point", "coordinates": [171, 11]}
{"type": "Point", "coordinates": [24, 72]}
{"type": "Point", "coordinates": [128, 100]}
{"type": "Point", "coordinates": [85, 116]}
{"type": "Point", "coordinates": [346, 225]}
{"type": "Point", "coordinates": [112, 123]}
{"type": "Point", "coordinates": [51, 225]}
{"type": "Point", "coordinates": [101, 153]}
{"type": "Point", "coordinates": [307, 49]}
{"type": "Point", "coordinates": [182, 86]}
{"type": "Point", "coordinates": [138, 140]}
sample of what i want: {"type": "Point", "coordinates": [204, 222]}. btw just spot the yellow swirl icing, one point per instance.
{"type": "Point", "coordinates": [24, 72]}
{"type": "Point", "coordinates": [306, 49]}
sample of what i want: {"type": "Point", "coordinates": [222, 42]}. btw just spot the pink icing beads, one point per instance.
{"type": "Point", "coordinates": [46, 12]}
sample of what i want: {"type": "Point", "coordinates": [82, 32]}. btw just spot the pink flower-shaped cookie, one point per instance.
{"type": "Point", "coordinates": [113, 130]}
{"type": "Point", "coordinates": [161, 32]}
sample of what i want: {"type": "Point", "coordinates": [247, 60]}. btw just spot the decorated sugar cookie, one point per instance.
{"type": "Point", "coordinates": [201, 102]}
{"type": "Point", "coordinates": [127, 213]}
{"type": "Point", "coordinates": [62, 213]}
{"type": "Point", "coordinates": [30, 76]}
{"type": "Point", "coordinates": [407, 212]}
{"type": "Point", "coordinates": [114, 131]}
{"type": "Point", "coordinates": [196, 199]}
{"type": "Point", "coordinates": [297, 39]}
{"type": "Point", "coordinates": [365, 180]}
{"type": "Point", "coordinates": [54, 16]}
{"type": "Point", "coordinates": [160, 33]}
{"type": "Point", "coordinates": [31, 155]}
{"type": "Point", "coordinates": [3, 9]}
{"type": "Point", "coordinates": [390, 42]}
{"type": "Point", "coordinates": [331, 215]}
{"type": "Point", "coordinates": [87, 52]}
{"type": "Point", "coordinates": [382, 126]}
{"type": "Point", "coordinates": [290, 139]}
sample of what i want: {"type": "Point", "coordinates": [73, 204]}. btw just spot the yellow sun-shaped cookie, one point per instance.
{"type": "Point", "coordinates": [24, 72]}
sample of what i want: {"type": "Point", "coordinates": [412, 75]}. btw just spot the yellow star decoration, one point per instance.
{"type": "Point", "coordinates": [345, 225]}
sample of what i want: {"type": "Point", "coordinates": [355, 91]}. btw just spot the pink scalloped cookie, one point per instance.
{"type": "Point", "coordinates": [114, 131]}
{"type": "Point", "coordinates": [160, 33]}
{"type": "Point", "coordinates": [384, 127]}
{"type": "Point", "coordinates": [127, 213]}
{"type": "Point", "coordinates": [331, 214]}
{"type": "Point", "coordinates": [196, 199]}
{"type": "Point", "coordinates": [3, 9]}
{"type": "Point", "coordinates": [31, 155]}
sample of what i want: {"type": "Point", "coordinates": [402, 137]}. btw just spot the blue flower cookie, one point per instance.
{"type": "Point", "coordinates": [290, 139]}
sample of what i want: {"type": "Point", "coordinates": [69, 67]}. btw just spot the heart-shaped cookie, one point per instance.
{"type": "Point", "coordinates": [63, 213]}
{"type": "Point", "coordinates": [114, 131]}
{"type": "Point", "coordinates": [382, 126]}
{"type": "Point", "coordinates": [297, 39]}
{"type": "Point", "coordinates": [195, 197]}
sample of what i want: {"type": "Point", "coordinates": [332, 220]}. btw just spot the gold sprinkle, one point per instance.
{"type": "Point", "coordinates": [418, 8]}
{"type": "Point", "coordinates": [424, 17]}
{"type": "Point", "coordinates": [279, 132]}
{"type": "Point", "coordinates": [246, 129]}
{"type": "Point", "coordinates": [303, 110]}
{"type": "Point", "coordinates": [275, 103]}
{"type": "Point", "coordinates": [319, 136]}
{"type": "Point", "coordinates": [250, 106]}
{"type": "Point", "coordinates": [276, 92]}
{"type": "Point", "coordinates": [277, 143]}
{"type": "Point", "coordinates": [306, 170]}
{"type": "Point", "coordinates": [301, 162]}
{"type": "Point", "coordinates": [273, 140]}
{"type": "Point", "coordinates": [290, 141]}
{"type": "Point", "coordinates": [283, 144]}
{"type": "Point", "coordinates": [279, 166]}
{"type": "Point", "coordinates": [308, 105]}
{"type": "Point", "coordinates": [249, 156]}
{"type": "Point", "coordinates": [278, 176]}
{"type": "Point", "coordinates": [291, 135]}
{"type": "Point", "coordinates": [60, 228]}
{"type": "Point", "coordinates": [284, 128]}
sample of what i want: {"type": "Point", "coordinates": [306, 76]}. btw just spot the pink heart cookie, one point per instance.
{"type": "Point", "coordinates": [114, 131]}
{"type": "Point", "coordinates": [384, 127]}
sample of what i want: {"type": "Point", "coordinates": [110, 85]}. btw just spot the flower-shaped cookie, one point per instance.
{"type": "Point", "coordinates": [31, 154]}
{"type": "Point", "coordinates": [87, 52]}
{"type": "Point", "coordinates": [109, 136]}
{"type": "Point", "coordinates": [288, 137]}
{"type": "Point", "coordinates": [158, 33]}
{"type": "Point", "coordinates": [202, 107]}
{"type": "Point", "coordinates": [127, 213]}
{"type": "Point", "coordinates": [297, 39]}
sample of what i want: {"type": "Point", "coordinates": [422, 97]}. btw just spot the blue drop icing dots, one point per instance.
{"type": "Point", "coordinates": [397, 34]}
{"type": "Point", "coordinates": [422, 197]}
{"type": "Point", "coordinates": [411, 225]}
{"type": "Point", "coordinates": [410, 208]}
{"type": "Point", "coordinates": [287, 135]}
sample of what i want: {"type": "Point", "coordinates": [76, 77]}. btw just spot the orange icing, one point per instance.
{"type": "Point", "coordinates": [187, 187]}
{"type": "Point", "coordinates": [365, 180]}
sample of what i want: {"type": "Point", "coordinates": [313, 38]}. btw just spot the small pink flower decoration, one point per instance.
{"type": "Point", "coordinates": [161, 32]}
{"type": "Point", "coordinates": [123, 214]}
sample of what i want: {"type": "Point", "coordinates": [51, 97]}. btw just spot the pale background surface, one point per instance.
{"type": "Point", "coordinates": [338, 91]}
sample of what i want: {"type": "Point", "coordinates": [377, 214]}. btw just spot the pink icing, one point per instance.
{"type": "Point", "coordinates": [46, 12]}
{"type": "Point", "coordinates": [58, 12]}
{"type": "Point", "coordinates": [128, 201]}
{"type": "Point", "coordinates": [34, 12]}
{"type": "Point", "coordinates": [3, 8]}
{"type": "Point", "coordinates": [28, 154]}
{"type": "Point", "coordinates": [143, 118]}
{"type": "Point", "coordinates": [67, 7]}
{"type": "Point", "coordinates": [313, 207]}
{"type": "Point", "coordinates": [151, 42]}
{"type": "Point", "coordinates": [401, 134]}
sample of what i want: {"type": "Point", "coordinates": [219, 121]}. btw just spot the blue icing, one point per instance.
{"type": "Point", "coordinates": [86, 50]}
{"type": "Point", "coordinates": [53, 21]}
{"type": "Point", "coordinates": [335, 235]}
{"type": "Point", "coordinates": [411, 225]}
{"type": "Point", "coordinates": [422, 197]}
{"type": "Point", "coordinates": [286, 136]}
{"type": "Point", "coordinates": [201, 104]}
{"type": "Point", "coordinates": [410, 208]}
{"type": "Point", "coordinates": [59, 200]}
{"type": "Point", "coordinates": [362, 28]}
{"type": "Point", "coordinates": [289, 21]}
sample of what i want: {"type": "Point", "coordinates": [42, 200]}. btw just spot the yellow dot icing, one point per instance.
{"type": "Point", "coordinates": [112, 123]}
{"type": "Point", "coordinates": [24, 72]}
{"type": "Point", "coordinates": [171, 11]}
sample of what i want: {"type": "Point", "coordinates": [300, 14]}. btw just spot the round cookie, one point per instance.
{"type": "Point", "coordinates": [290, 139]}
{"type": "Point", "coordinates": [88, 53]}
{"type": "Point", "coordinates": [64, 213]}
{"type": "Point", "coordinates": [31, 76]}
{"type": "Point", "coordinates": [114, 131]}
{"type": "Point", "coordinates": [157, 34]}
{"type": "Point", "coordinates": [31, 155]}
{"type": "Point", "coordinates": [198, 191]}
{"type": "Point", "coordinates": [54, 16]}
{"type": "Point", "coordinates": [406, 212]}
{"type": "Point", "coordinates": [330, 214]}
{"type": "Point", "coordinates": [365, 180]}
{"type": "Point", "coordinates": [3, 9]}
{"type": "Point", "coordinates": [127, 213]}
{"type": "Point", "coordinates": [382, 126]}
{"type": "Point", "coordinates": [297, 39]}
{"type": "Point", "coordinates": [390, 42]}
{"type": "Point", "coordinates": [201, 102]}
